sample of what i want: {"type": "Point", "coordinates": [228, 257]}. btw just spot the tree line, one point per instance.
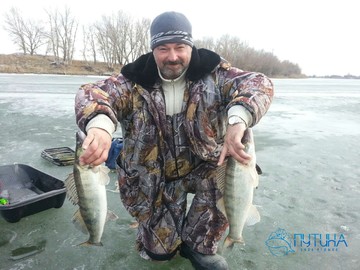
{"type": "Point", "coordinates": [119, 39]}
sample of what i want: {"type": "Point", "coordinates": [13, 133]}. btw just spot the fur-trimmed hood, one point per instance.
{"type": "Point", "coordinates": [144, 71]}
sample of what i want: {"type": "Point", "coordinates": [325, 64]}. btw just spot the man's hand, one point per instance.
{"type": "Point", "coordinates": [96, 147]}
{"type": "Point", "coordinates": [233, 145]}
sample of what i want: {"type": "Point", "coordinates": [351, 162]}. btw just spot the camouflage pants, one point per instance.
{"type": "Point", "coordinates": [200, 228]}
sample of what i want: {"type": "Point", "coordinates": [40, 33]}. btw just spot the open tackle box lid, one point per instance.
{"type": "Point", "coordinates": [60, 156]}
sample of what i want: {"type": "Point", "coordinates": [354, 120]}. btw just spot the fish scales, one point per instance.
{"type": "Point", "coordinates": [86, 188]}
{"type": "Point", "coordinates": [240, 181]}
{"type": "Point", "coordinates": [92, 202]}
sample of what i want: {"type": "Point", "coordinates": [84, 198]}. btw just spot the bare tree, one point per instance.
{"type": "Point", "coordinates": [134, 39]}
{"type": "Point", "coordinates": [28, 35]}
{"type": "Point", "coordinates": [103, 33]}
{"type": "Point", "coordinates": [289, 69]}
{"type": "Point", "coordinates": [89, 44]}
{"type": "Point", "coordinates": [141, 33]}
{"type": "Point", "coordinates": [62, 34]}
{"type": "Point", "coordinates": [241, 55]}
{"type": "Point", "coordinates": [120, 40]}
{"type": "Point", "coordinates": [53, 39]}
{"type": "Point", "coordinates": [206, 42]}
{"type": "Point", "coordinates": [120, 34]}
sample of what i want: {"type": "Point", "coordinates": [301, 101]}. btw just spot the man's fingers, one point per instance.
{"type": "Point", "coordinates": [88, 140]}
{"type": "Point", "coordinates": [241, 156]}
{"type": "Point", "coordinates": [222, 155]}
{"type": "Point", "coordinates": [96, 147]}
{"type": "Point", "coordinates": [90, 147]}
{"type": "Point", "coordinates": [97, 157]}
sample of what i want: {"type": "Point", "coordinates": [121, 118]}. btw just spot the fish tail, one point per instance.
{"type": "Point", "coordinates": [229, 242]}
{"type": "Point", "coordinates": [90, 244]}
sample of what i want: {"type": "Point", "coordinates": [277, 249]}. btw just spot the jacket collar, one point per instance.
{"type": "Point", "coordinates": [144, 71]}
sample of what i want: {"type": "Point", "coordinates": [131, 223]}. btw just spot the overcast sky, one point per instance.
{"type": "Point", "coordinates": [321, 36]}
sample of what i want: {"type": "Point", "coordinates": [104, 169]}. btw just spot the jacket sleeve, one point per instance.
{"type": "Point", "coordinates": [254, 91]}
{"type": "Point", "coordinates": [108, 97]}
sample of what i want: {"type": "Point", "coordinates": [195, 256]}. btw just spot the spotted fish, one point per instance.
{"type": "Point", "coordinates": [86, 188]}
{"type": "Point", "coordinates": [240, 181]}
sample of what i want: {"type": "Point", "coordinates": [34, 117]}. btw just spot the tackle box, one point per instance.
{"type": "Point", "coordinates": [27, 191]}
{"type": "Point", "coordinates": [60, 156]}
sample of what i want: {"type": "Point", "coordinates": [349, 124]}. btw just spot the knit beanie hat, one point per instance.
{"type": "Point", "coordinates": [170, 27]}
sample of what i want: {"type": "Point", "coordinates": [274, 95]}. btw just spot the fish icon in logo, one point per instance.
{"type": "Point", "coordinates": [279, 243]}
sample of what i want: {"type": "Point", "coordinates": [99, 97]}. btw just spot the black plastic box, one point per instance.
{"type": "Point", "coordinates": [28, 191]}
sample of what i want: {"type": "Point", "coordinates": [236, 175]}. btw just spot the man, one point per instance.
{"type": "Point", "coordinates": [182, 111]}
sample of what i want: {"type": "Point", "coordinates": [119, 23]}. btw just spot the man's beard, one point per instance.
{"type": "Point", "coordinates": [171, 74]}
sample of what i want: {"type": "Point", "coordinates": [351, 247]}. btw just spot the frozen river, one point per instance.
{"type": "Point", "coordinates": [307, 146]}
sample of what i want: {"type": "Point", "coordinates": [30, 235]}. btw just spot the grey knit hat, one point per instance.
{"type": "Point", "coordinates": [170, 27]}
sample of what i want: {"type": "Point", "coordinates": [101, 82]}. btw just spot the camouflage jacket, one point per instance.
{"type": "Point", "coordinates": [150, 153]}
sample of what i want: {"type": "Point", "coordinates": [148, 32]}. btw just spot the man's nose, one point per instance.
{"type": "Point", "coordinates": [172, 55]}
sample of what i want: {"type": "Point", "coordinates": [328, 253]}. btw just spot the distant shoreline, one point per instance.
{"type": "Point", "coordinates": [41, 64]}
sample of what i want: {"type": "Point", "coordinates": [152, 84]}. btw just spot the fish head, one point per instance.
{"type": "Point", "coordinates": [80, 137]}
{"type": "Point", "coordinates": [248, 137]}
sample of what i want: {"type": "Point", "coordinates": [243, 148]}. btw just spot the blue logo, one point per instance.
{"type": "Point", "coordinates": [281, 243]}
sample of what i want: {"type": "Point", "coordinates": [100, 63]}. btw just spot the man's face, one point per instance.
{"type": "Point", "coordinates": [172, 59]}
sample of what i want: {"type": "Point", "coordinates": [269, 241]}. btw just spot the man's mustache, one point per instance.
{"type": "Point", "coordinates": [173, 62]}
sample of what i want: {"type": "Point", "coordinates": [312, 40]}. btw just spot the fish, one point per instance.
{"type": "Point", "coordinates": [278, 243]}
{"type": "Point", "coordinates": [279, 247]}
{"type": "Point", "coordinates": [240, 182]}
{"type": "Point", "coordinates": [86, 187]}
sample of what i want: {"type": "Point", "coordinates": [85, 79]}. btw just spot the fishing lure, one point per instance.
{"type": "Point", "coordinates": [4, 201]}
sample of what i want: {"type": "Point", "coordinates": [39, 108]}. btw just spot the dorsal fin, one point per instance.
{"type": "Point", "coordinates": [71, 192]}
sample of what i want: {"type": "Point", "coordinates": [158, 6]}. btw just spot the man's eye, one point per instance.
{"type": "Point", "coordinates": [180, 48]}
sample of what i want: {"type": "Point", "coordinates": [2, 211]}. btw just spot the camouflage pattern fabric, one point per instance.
{"type": "Point", "coordinates": [165, 157]}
